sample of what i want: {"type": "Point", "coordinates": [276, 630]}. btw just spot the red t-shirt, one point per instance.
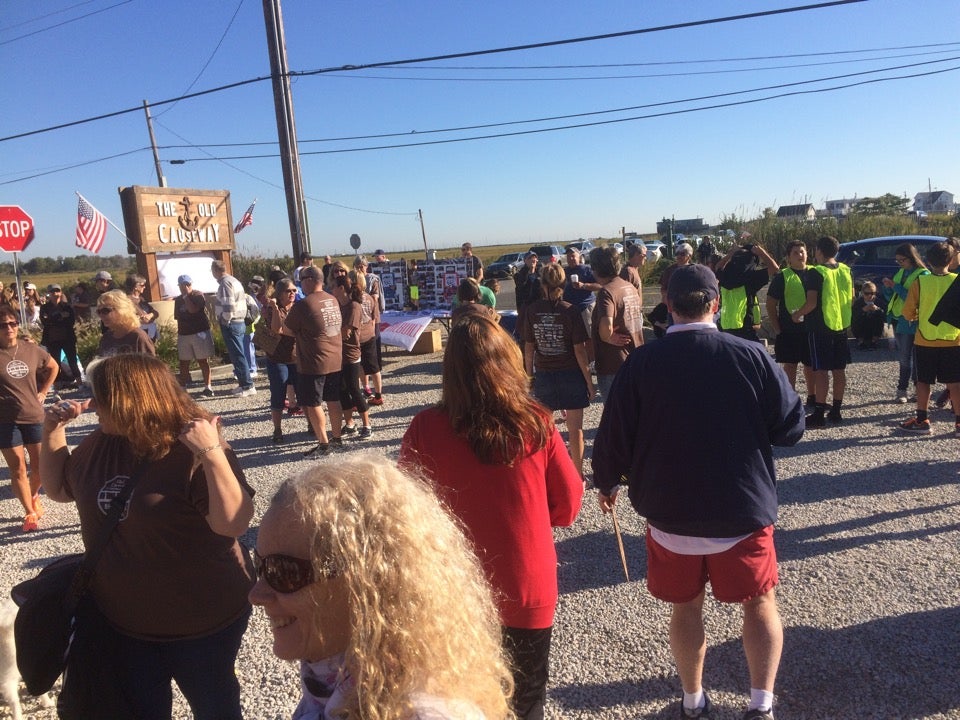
{"type": "Point", "coordinates": [508, 511]}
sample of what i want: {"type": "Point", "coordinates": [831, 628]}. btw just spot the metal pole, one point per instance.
{"type": "Point", "coordinates": [426, 250]}
{"type": "Point", "coordinates": [153, 144]}
{"type": "Point", "coordinates": [19, 289]}
{"type": "Point", "coordinates": [286, 127]}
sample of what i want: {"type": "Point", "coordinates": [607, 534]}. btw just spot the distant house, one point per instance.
{"type": "Point", "coordinates": [804, 213]}
{"type": "Point", "coordinates": [939, 201]}
{"type": "Point", "coordinates": [692, 226]}
{"type": "Point", "coordinates": [839, 208]}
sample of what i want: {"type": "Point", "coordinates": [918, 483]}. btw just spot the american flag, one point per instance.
{"type": "Point", "coordinates": [247, 218]}
{"type": "Point", "coordinates": [91, 227]}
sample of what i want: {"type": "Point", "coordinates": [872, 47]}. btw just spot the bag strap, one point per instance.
{"type": "Point", "coordinates": [81, 581]}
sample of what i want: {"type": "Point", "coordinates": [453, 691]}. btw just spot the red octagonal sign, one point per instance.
{"type": "Point", "coordinates": [16, 228]}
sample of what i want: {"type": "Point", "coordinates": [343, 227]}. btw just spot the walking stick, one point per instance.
{"type": "Point", "coordinates": [616, 530]}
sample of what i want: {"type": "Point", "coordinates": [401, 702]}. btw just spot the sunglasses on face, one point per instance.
{"type": "Point", "coordinates": [104, 310]}
{"type": "Point", "coordinates": [10, 324]}
{"type": "Point", "coordinates": [286, 574]}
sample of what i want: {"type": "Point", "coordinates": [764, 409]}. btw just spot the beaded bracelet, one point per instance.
{"type": "Point", "coordinates": [203, 451]}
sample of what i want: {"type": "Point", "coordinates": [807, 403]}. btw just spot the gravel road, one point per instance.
{"type": "Point", "coordinates": [868, 539]}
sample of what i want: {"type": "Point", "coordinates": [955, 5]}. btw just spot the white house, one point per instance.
{"type": "Point", "coordinates": [938, 201]}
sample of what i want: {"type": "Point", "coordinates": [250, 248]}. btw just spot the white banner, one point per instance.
{"type": "Point", "coordinates": [403, 329]}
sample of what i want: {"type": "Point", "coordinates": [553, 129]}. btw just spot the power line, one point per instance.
{"type": "Point", "coordinates": [65, 22]}
{"type": "Point", "coordinates": [76, 165]}
{"type": "Point", "coordinates": [607, 122]}
{"type": "Point", "coordinates": [514, 48]}
{"type": "Point", "coordinates": [44, 16]}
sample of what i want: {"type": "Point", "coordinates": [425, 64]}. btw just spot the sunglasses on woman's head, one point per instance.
{"type": "Point", "coordinates": [286, 574]}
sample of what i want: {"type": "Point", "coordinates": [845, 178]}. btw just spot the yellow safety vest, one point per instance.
{"type": "Point", "coordinates": [733, 308]}
{"type": "Point", "coordinates": [895, 306]}
{"type": "Point", "coordinates": [836, 296]}
{"type": "Point", "coordinates": [932, 288]}
{"type": "Point", "coordinates": [794, 294]}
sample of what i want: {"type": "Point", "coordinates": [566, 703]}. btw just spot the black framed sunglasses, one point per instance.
{"type": "Point", "coordinates": [286, 574]}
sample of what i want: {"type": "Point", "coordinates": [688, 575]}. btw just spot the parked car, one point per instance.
{"type": "Point", "coordinates": [584, 246]}
{"type": "Point", "coordinates": [873, 258]}
{"type": "Point", "coordinates": [655, 250]}
{"type": "Point", "coordinates": [548, 253]}
{"type": "Point", "coordinates": [504, 266]}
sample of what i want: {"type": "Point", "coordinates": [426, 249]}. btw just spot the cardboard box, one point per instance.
{"type": "Point", "coordinates": [428, 342]}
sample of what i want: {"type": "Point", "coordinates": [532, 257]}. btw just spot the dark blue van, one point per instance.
{"type": "Point", "coordinates": [873, 258]}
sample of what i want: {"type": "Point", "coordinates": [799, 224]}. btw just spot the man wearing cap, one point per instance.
{"type": "Point", "coordinates": [59, 335]}
{"type": "Point", "coordinates": [709, 513]}
{"type": "Point", "coordinates": [306, 260]}
{"type": "Point", "coordinates": [230, 304]}
{"type": "Point", "coordinates": [380, 256]}
{"type": "Point", "coordinates": [194, 339]}
{"type": "Point", "coordinates": [474, 266]}
{"type": "Point", "coordinates": [527, 281]}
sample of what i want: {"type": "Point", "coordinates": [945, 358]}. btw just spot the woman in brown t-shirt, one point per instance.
{"type": "Point", "coordinates": [169, 592]}
{"type": "Point", "coordinates": [122, 333]}
{"type": "Point", "coordinates": [349, 293]}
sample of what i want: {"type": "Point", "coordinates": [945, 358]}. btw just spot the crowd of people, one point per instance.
{"type": "Point", "coordinates": [357, 558]}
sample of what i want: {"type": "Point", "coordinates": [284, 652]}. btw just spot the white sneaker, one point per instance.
{"type": "Point", "coordinates": [248, 392]}
{"type": "Point", "coordinates": [237, 392]}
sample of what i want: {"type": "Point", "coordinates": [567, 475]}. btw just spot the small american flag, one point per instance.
{"type": "Point", "coordinates": [91, 227]}
{"type": "Point", "coordinates": [247, 218]}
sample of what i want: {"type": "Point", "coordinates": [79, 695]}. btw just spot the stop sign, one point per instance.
{"type": "Point", "coordinates": [16, 228]}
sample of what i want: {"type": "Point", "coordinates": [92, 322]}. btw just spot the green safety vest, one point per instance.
{"type": "Point", "coordinates": [895, 306]}
{"type": "Point", "coordinates": [932, 288]}
{"type": "Point", "coordinates": [794, 294]}
{"type": "Point", "coordinates": [836, 296]}
{"type": "Point", "coordinates": [733, 308]}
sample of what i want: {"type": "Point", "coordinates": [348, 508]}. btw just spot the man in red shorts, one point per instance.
{"type": "Point", "coordinates": [709, 513]}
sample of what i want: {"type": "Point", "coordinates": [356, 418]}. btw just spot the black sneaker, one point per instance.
{"type": "Point", "coordinates": [758, 715]}
{"type": "Point", "coordinates": [336, 443]}
{"type": "Point", "coordinates": [703, 712]}
{"type": "Point", "coordinates": [207, 392]}
{"type": "Point", "coordinates": [348, 430]}
{"type": "Point", "coordinates": [321, 450]}
{"type": "Point", "coordinates": [816, 420]}
{"type": "Point", "coordinates": [811, 403]}
{"type": "Point", "coordinates": [365, 432]}
{"type": "Point", "coordinates": [834, 415]}
{"type": "Point", "coordinates": [277, 436]}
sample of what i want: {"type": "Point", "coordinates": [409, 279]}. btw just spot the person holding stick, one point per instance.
{"type": "Point", "coordinates": [709, 514]}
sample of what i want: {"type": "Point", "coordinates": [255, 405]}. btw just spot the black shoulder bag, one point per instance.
{"type": "Point", "coordinates": [48, 603]}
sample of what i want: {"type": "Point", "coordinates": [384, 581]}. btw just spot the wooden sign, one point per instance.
{"type": "Point", "coordinates": [171, 220]}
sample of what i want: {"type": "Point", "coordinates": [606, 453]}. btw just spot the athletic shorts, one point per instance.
{"type": "Point", "coordinates": [829, 350]}
{"type": "Point", "coordinates": [198, 346]}
{"type": "Point", "coordinates": [368, 357]}
{"type": "Point", "coordinates": [561, 389]}
{"type": "Point", "coordinates": [16, 434]}
{"type": "Point", "coordinates": [792, 348]}
{"type": "Point", "coordinates": [937, 364]}
{"type": "Point", "coordinates": [745, 571]}
{"type": "Point", "coordinates": [313, 390]}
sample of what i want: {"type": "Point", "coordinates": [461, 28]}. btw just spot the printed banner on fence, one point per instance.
{"type": "Point", "coordinates": [403, 329]}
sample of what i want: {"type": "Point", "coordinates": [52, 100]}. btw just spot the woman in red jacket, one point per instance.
{"type": "Point", "coordinates": [500, 465]}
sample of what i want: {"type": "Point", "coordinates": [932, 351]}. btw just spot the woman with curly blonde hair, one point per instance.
{"type": "Point", "coordinates": [357, 563]}
{"type": "Point", "coordinates": [502, 468]}
{"type": "Point", "coordinates": [121, 322]}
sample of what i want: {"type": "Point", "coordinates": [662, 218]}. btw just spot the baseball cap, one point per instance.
{"type": "Point", "coordinates": [103, 275]}
{"type": "Point", "coordinates": [571, 249]}
{"type": "Point", "coordinates": [184, 280]}
{"type": "Point", "coordinates": [530, 254]}
{"type": "Point", "coordinates": [29, 286]}
{"type": "Point", "coordinates": [682, 248]}
{"type": "Point", "coordinates": [256, 282]}
{"type": "Point", "coordinates": [53, 286]}
{"type": "Point", "coordinates": [692, 278]}
{"type": "Point", "coordinates": [379, 252]}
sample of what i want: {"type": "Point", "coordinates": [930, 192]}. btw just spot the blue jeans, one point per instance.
{"type": "Point", "coordinates": [908, 368]}
{"type": "Point", "coordinates": [280, 375]}
{"type": "Point", "coordinates": [233, 339]}
{"type": "Point", "coordinates": [250, 351]}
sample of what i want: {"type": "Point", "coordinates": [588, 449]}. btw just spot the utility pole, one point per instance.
{"type": "Point", "coordinates": [161, 180]}
{"type": "Point", "coordinates": [423, 232]}
{"type": "Point", "coordinates": [286, 128]}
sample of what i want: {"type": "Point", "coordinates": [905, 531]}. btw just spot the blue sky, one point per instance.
{"type": "Point", "coordinates": [536, 188]}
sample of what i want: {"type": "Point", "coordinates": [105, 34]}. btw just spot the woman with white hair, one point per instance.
{"type": "Point", "coordinates": [121, 322]}
{"type": "Point", "coordinates": [357, 565]}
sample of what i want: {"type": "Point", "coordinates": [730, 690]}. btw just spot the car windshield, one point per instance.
{"type": "Point", "coordinates": [509, 257]}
